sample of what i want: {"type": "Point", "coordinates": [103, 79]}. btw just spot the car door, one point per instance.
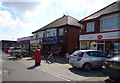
{"type": "Point", "coordinates": [94, 58]}
{"type": "Point", "coordinates": [102, 57]}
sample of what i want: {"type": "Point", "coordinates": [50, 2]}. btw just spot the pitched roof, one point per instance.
{"type": "Point", "coordinates": [65, 20]}
{"type": "Point", "coordinates": [108, 9]}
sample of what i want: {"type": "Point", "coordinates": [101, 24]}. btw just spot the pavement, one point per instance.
{"type": "Point", "coordinates": [63, 70]}
{"type": "Point", "coordinates": [16, 70]}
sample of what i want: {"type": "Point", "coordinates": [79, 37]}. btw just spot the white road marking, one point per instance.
{"type": "Point", "coordinates": [57, 76]}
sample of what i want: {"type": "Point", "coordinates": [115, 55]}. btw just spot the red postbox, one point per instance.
{"type": "Point", "coordinates": [37, 57]}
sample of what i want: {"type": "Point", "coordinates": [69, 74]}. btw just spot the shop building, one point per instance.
{"type": "Point", "coordinates": [61, 35]}
{"type": "Point", "coordinates": [6, 44]}
{"type": "Point", "coordinates": [36, 42]}
{"type": "Point", "coordinates": [101, 30]}
{"type": "Point", "coordinates": [24, 42]}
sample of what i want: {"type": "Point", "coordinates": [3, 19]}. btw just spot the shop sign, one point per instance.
{"type": "Point", "coordinates": [34, 41]}
{"type": "Point", "coordinates": [100, 36]}
{"type": "Point", "coordinates": [23, 42]}
{"type": "Point", "coordinates": [55, 37]}
{"type": "Point", "coordinates": [51, 39]}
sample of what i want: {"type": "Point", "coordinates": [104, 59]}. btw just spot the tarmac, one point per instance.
{"type": "Point", "coordinates": [57, 68]}
{"type": "Point", "coordinates": [63, 70]}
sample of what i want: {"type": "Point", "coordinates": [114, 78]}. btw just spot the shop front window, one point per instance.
{"type": "Point", "coordinates": [93, 45]}
{"type": "Point", "coordinates": [100, 47]}
{"type": "Point", "coordinates": [108, 47]}
{"type": "Point", "coordinates": [117, 47]}
{"type": "Point", "coordinates": [85, 45]}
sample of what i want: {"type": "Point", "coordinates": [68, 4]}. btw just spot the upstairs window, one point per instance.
{"type": "Point", "coordinates": [111, 23]}
{"type": "Point", "coordinates": [40, 34]}
{"type": "Point", "coordinates": [61, 31]}
{"type": "Point", "coordinates": [90, 27]}
{"type": "Point", "coordinates": [36, 36]}
{"type": "Point", "coordinates": [51, 33]}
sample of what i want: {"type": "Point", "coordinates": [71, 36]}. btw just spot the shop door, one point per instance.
{"type": "Point", "coordinates": [100, 47]}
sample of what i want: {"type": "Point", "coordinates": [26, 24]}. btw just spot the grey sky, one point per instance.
{"type": "Point", "coordinates": [21, 6]}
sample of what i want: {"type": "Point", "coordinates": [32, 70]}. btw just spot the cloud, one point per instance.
{"type": "Point", "coordinates": [89, 6]}
{"type": "Point", "coordinates": [4, 37]}
{"type": "Point", "coordinates": [20, 0]}
{"type": "Point", "coordinates": [40, 8]}
{"type": "Point", "coordinates": [6, 20]}
{"type": "Point", "coordinates": [10, 26]}
{"type": "Point", "coordinates": [24, 17]}
{"type": "Point", "coordinates": [21, 7]}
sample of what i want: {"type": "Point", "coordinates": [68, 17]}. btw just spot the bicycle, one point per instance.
{"type": "Point", "coordinates": [18, 56]}
{"type": "Point", "coordinates": [50, 58]}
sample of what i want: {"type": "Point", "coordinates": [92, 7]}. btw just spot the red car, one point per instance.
{"type": "Point", "coordinates": [6, 50]}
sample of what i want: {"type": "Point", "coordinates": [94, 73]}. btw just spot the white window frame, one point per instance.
{"type": "Point", "coordinates": [51, 32]}
{"type": "Point", "coordinates": [90, 26]}
{"type": "Point", "coordinates": [61, 31]}
{"type": "Point", "coordinates": [34, 36]}
{"type": "Point", "coordinates": [40, 34]}
{"type": "Point", "coordinates": [112, 27]}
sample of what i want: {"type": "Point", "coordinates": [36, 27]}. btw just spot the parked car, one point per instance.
{"type": "Point", "coordinates": [116, 52]}
{"type": "Point", "coordinates": [87, 59]}
{"type": "Point", "coordinates": [11, 51]}
{"type": "Point", "coordinates": [6, 50]}
{"type": "Point", "coordinates": [111, 67]}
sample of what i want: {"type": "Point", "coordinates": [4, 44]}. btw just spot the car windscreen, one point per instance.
{"type": "Point", "coordinates": [97, 54]}
{"type": "Point", "coordinates": [77, 53]}
{"type": "Point", "coordinates": [102, 54]}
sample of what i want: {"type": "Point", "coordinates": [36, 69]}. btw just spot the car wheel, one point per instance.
{"type": "Point", "coordinates": [113, 79]}
{"type": "Point", "coordinates": [86, 67]}
{"type": "Point", "coordinates": [103, 71]}
{"type": "Point", "coordinates": [74, 67]}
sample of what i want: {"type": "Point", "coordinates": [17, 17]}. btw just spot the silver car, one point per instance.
{"type": "Point", "coordinates": [87, 59]}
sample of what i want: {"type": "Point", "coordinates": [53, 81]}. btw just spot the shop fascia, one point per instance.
{"type": "Point", "coordinates": [88, 41]}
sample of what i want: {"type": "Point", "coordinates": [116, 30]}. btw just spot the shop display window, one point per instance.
{"type": "Point", "coordinates": [93, 45]}
{"type": "Point", "coordinates": [117, 47]}
{"type": "Point", "coordinates": [85, 45]}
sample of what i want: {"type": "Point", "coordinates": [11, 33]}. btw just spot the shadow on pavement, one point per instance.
{"type": "Point", "coordinates": [61, 60]}
{"type": "Point", "coordinates": [13, 59]}
{"type": "Point", "coordinates": [32, 67]}
{"type": "Point", "coordinates": [111, 81]}
{"type": "Point", "coordinates": [58, 59]}
{"type": "Point", "coordinates": [92, 73]}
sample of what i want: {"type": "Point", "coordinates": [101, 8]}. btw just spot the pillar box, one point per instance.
{"type": "Point", "coordinates": [37, 57]}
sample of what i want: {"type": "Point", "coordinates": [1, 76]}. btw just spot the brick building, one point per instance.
{"type": "Point", "coordinates": [61, 34]}
{"type": "Point", "coordinates": [6, 44]}
{"type": "Point", "coordinates": [101, 29]}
